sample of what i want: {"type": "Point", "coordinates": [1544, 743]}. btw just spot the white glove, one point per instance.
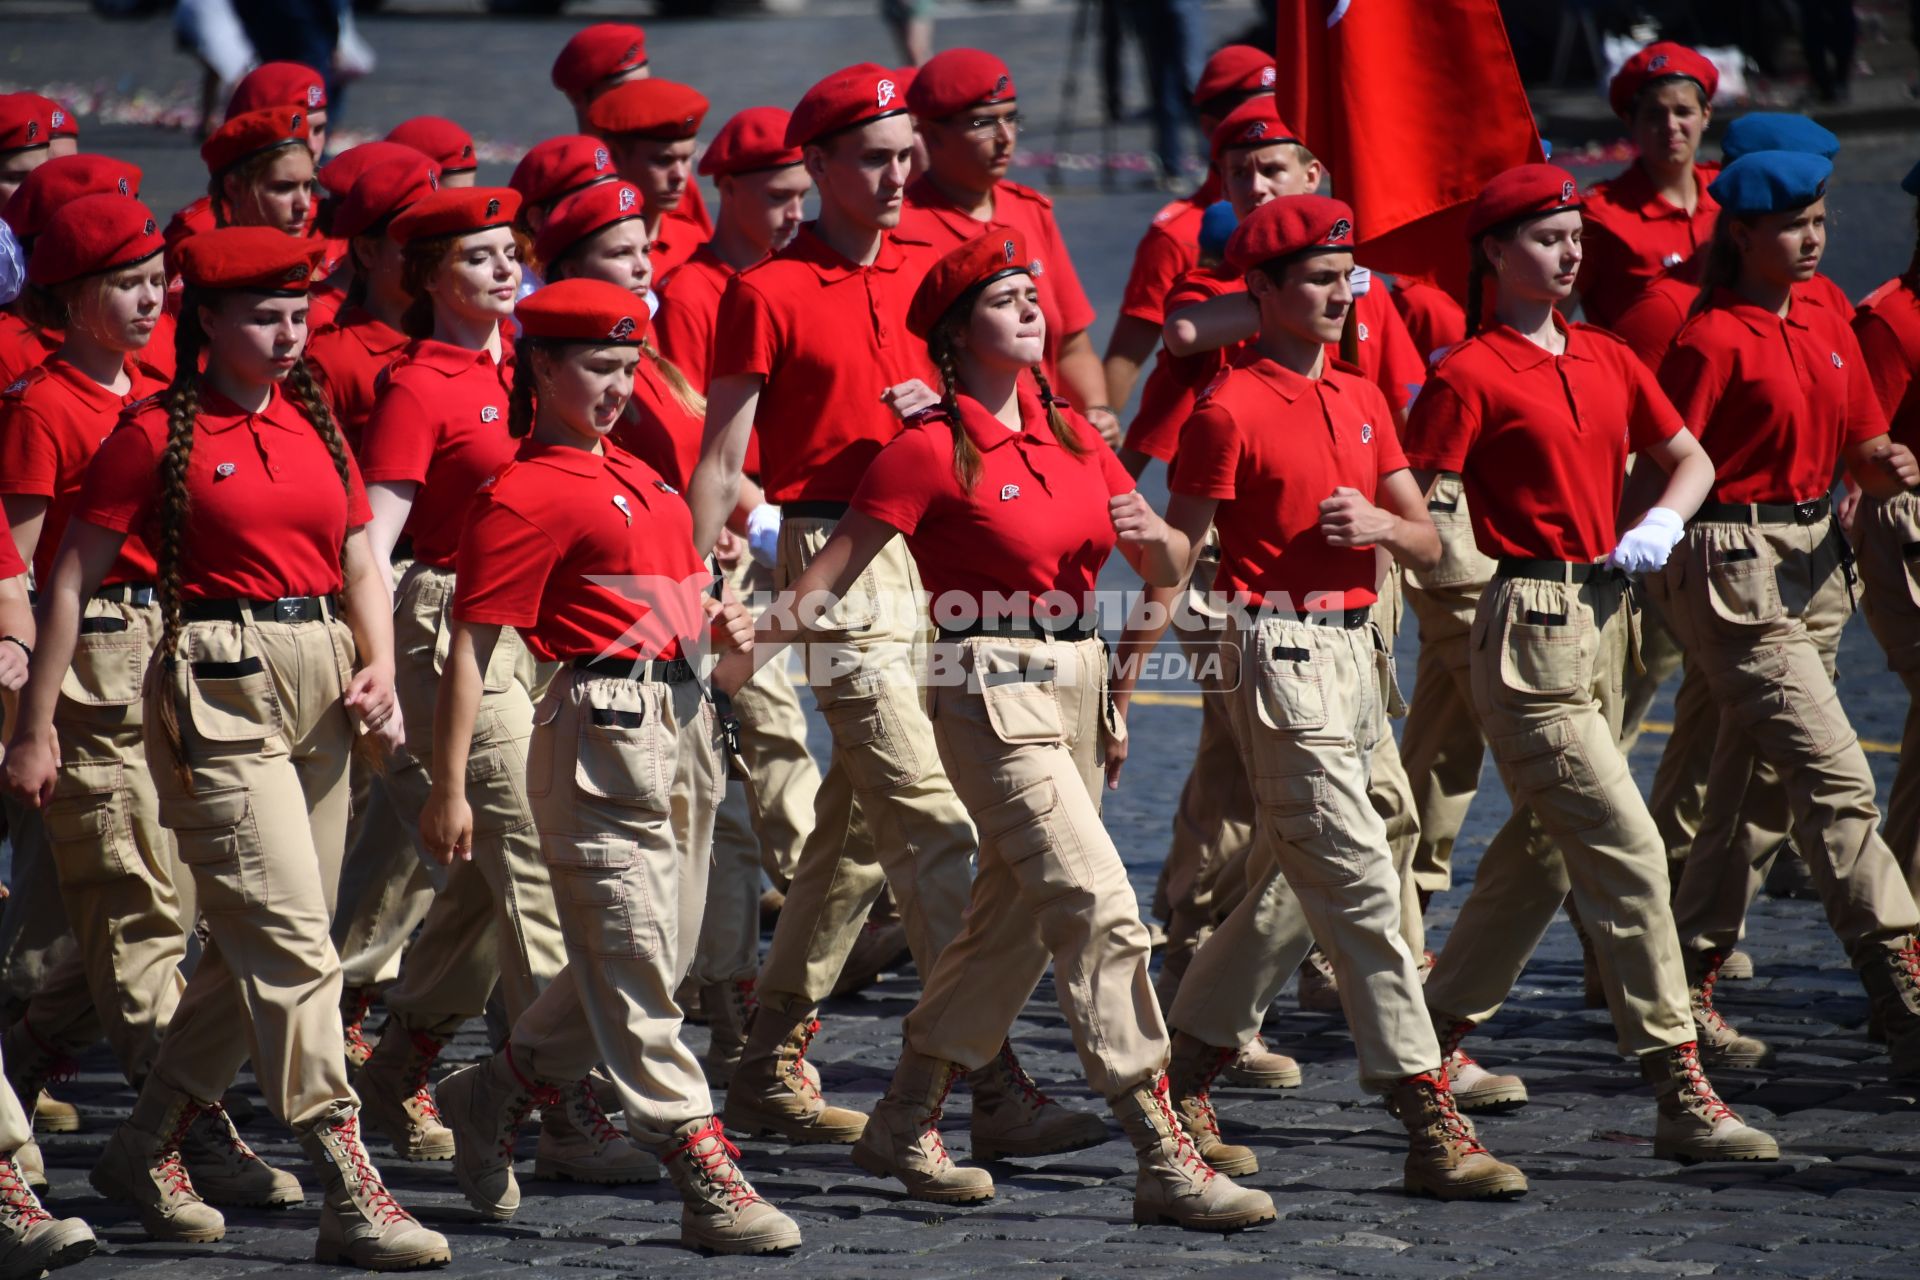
{"type": "Point", "coordinates": [763, 534]}
{"type": "Point", "coordinates": [1645, 547]}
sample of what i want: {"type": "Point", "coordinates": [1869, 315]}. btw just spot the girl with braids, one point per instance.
{"type": "Point", "coordinates": [1887, 530]}
{"type": "Point", "coordinates": [589, 554]}
{"type": "Point", "coordinates": [1003, 493]}
{"type": "Point", "coordinates": [269, 595]}
{"type": "Point", "coordinates": [1759, 588]}
{"type": "Point", "coordinates": [437, 432]}
{"type": "Point", "coordinates": [1536, 416]}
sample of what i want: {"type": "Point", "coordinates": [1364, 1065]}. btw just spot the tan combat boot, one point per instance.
{"type": "Point", "coordinates": [30, 1063]}
{"type": "Point", "coordinates": [33, 1241]}
{"type": "Point", "coordinates": [394, 1100]}
{"type": "Point", "coordinates": [1890, 971]}
{"type": "Point", "coordinates": [730, 1008]}
{"type": "Point", "coordinates": [1693, 1123]}
{"type": "Point", "coordinates": [720, 1210]}
{"type": "Point", "coordinates": [141, 1166]}
{"type": "Point", "coordinates": [32, 1166]}
{"type": "Point", "coordinates": [1446, 1160]}
{"type": "Point", "coordinates": [1474, 1087]}
{"type": "Point", "coordinates": [1737, 967]}
{"type": "Point", "coordinates": [902, 1139]}
{"type": "Point", "coordinates": [225, 1169]}
{"type": "Point", "coordinates": [1174, 1184]}
{"type": "Point", "coordinates": [579, 1144]}
{"type": "Point", "coordinates": [354, 1003]}
{"type": "Point", "coordinates": [1011, 1117]}
{"type": "Point", "coordinates": [773, 1091]}
{"type": "Point", "coordinates": [51, 1115]}
{"type": "Point", "coordinates": [1254, 1066]}
{"type": "Point", "coordinates": [1720, 1044]}
{"type": "Point", "coordinates": [361, 1224]}
{"type": "Point", "coordinates": [1319, 989]}
{"type": "Point", "coordinates": [1190, 1073]}
{"type": "Point", "coordinates": [485, 1105]}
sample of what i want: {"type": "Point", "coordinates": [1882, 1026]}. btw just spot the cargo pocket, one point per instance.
{"type": "Point", "coordinates": [1315, 851]}
{"type": "Point", "coordinates": [87, 823]}
{"type": "Point", "coordinates": [625, 748]}
{"type": "Point", "coordinates": [1544, 653]}
{"type": "Point", "coordinates": [1461, 563]}
{"type": "Point", "coordinates": [498, 804]}
{"type": "Point", "coordinates": [1024, 829]}
{"type": "Point", "coordinates": [1291, 695]}
{"type": "Point", "coordinates": [602, 890]}
{"type": "Point", "coordinates": [1018, 689]}
{"type": "Point", "coordinates": [872, 740]}
{"type": "Point", "coordinates": [1743, 586]}
{"type": "Point", "coordinates": [230, 693]}
{"type": "Point", "coordinates": [1548, 769]}
{"type": "Point", "coordinates": [109, 663]}
{"type": "Point", "coordinates": [218, 838]}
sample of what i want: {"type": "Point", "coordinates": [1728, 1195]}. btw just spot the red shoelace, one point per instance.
{"type": "Point", "coordinates": [378, 1199]}
{"type": "Point", "coordinates": [597, 1126]}
{"type": "Point", "coordinates": [170, 1167]}
{"type": "Point", "coordinates": [426, 1051]}
{"type": "Point", "coordinates": [1184, 1150]}
{"type": "Point", "coordinates": [716, 1161]}
{"type": "Point", "coordinates": [1699, 1085]}
{"type": "Point", "coordinates": [18, 1196]}
{"type": "Point", "coordinates": [1450, 1120]}
{"type": "Point", "coordinates": [796, 1071]}
{"type": "Point", "coordinates": [530, 1094]}
{"type": "Point", "coordinates": [1021, 1080]}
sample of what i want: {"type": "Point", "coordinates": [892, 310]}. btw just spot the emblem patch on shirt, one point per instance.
{"type": "Point", "coordinates": [664, 487]}
{"type": "Point", "coordinates": [1366, 433]}
{"type": "Point", "coordinates": [1008, 492]}
{"type": "Point", "coordinates": [224, 470]}
{"type": "Point", "coordinates": [16, 385]}
{"type": "Point", "coordinates": [1360, 330]}
{"type": "Point", "coordinates": [883, 93]}
{"type": "Point", "coordinates": [490, 413]}
{"type": "Point", "coordinates": [620, 501]}
{"type": "Point", "coordinates": [1838, 363]}
{"type": "Point", "coordinates": [1672, 260]}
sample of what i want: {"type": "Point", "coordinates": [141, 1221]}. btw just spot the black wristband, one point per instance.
{"type": "Point", "coordinates": [24, 646]}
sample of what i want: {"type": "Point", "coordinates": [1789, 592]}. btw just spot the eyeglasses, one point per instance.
{"type": "Point", "coordinates": [980, 126]}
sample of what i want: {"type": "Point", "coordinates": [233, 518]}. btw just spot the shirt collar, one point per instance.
{"type": "Point", "coordinates": [831, 265]}
{"type": "Point", "coordinates": [926, 196]}
{"type": "Point", "coordinates": [1522, 353]}
{"type": "Point", "coordinates": [445, 358]}
{"type": "Point", "coordinates": [988, 432]}
{"type": "Point", "coordinates": [707, 258]}
{"type": "Point", "coordinates": [90, 393]}
{"type": "Point", "coordinates": [1287, 384]}
{"type": "Point", "coordinates": [219, 414]}
{"type": "Point", "coordinates": [1634, 190]}
{"type": "Point", "coordinates": [1757, 317]}
{"type": "Point", "coordinates": [560, 457]}
{"type": "Point", "coordinates": [373, 333]}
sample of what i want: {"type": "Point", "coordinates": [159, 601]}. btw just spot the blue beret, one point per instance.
{"type": "Point", "coordinates": [1216, 224]}
{"type": "Point", "coordinates": [1777, 131]}
{"type": "Point", "coordinates": [1911, 183]}
{"type": "Point", "coordinates": [1772, 182]}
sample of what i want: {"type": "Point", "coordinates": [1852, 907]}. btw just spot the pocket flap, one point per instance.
{"type": "Point", "coordinates": [229, 690]}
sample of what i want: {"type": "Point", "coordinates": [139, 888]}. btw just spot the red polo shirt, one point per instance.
{"type": "Point", "coordinates": [585, 554]}
{"type": "Point", "coordinates": [348, 358]}
{"type": "Point", "coordinates": [658, 429]}
{"type": "Point", "coordinates": [828, 336]}
{"type": "Point", "coordinates": [22, 346]}
{"type": "Point", "coordinates": [938, 220]}
{"type": "Point", "coordinates": [324, 304]}
{"type": "Point", "coordinates": [52, 422]}
{"type": "Point", "coordinates": [1271, 446]}
{"type": "Point", "coordinates": [1540, 440]}
{"type": "Point", "coordinates": [1169, 250]}
{"type": "Point", "coordinates": [689, 309]}
{"type": "Point", "coordinates": [1633, 234]}
{"type": "Point", "coordinates": [1651, 323]}
{"type": "Point", "coordinates": [1773, 399]}
{"type": "Point", "coordinates": [680, 234]}
{"type": "Point", "coordinates": [1435, 320]}
{"type": "Point", "coordinates": [1035, 522]}
{"type": "Point", "coordinates": [266, 515]}
{"type": "Point", "coordinates": [439, 422]}
{"type": "Point", "coordinates": [1888, 327]}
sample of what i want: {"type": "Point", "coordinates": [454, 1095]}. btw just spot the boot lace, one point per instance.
{"type": "Point", "coordinates": [583, 1108]}
{"type": "Point", "coordinates": [58, 1067]}
{"type": "Point", "coordinates": [1447, 1115]}
{"type": "Point", "coordinates": [1906, 970]}
{"type": "Point", "coordinates": [426, 1051]}
{"type": "Point", "coordinates": [1022, 1082]}
{"type": "Point", "coordinates": [1698, 1089]}
{"type": "Point", "coordinates": [169, 1168]}
{"type": "Point", "coordinates": [1704, 1010]}
{"type": "Point", "coordinates": [378, 1201]}
{"type": "Point", "coordinates": [1450, 1051]}
{"type": "Point", "coordinates": [17, 1198]}
{"type": "Point", "coordinates": [749, 1002]}
{"type": "Point", "coordinates": [715, 1161]}
{"type": "Point", "coordinates": [930, 1126]}
{"type": "Point", "coordinates": [350, 1027]}
{"type": "Point", "coordinates": [1202, 1097]}
{"type": "Point", "coordinates": [531, 1093]}
{"type": "Point", "coordinates": [796, 1073]}
{"type": "Point", "coordinates": [1184, 1152]}
{"type": "Point", "coordinates": [227, 1134]}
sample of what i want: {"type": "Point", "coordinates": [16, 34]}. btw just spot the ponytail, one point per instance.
{"type": "Point", "coordinates": [1062, 429]}
{"type": "Point", "coordinates": [182, 398]}
{"type": "Point", "coordinates": [683, 393]}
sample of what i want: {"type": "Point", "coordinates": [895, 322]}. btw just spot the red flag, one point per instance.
{"type": "Point", "coordinates": [1412, 105]}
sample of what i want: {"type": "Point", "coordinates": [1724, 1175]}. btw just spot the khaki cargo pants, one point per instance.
{"type": "Point", "coordinates": [1887, 531]}
{"type": "Point", "coordinates": [1021, 724]}
{"type": "Point", "coordinates": [624, 777]}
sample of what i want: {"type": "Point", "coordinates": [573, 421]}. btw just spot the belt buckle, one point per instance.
{"type": "Point", "coordinates": [1806, 512]}
{"type": "Point", "coordinates": [290, 609]}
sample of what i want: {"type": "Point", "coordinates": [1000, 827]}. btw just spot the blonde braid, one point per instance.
{"type": "Point", "coordinates": [1062, 429]}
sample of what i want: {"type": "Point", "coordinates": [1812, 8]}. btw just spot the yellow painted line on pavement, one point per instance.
{"type": "Point", "coordinates": [1149, 699]}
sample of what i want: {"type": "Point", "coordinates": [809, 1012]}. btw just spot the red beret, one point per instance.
{"type": "Point", "coordinates": [65, 178]}
{"type": "Point", "coordinates": [456, 211]}
{"type": "Point", "coordinates": [1659, 62]}
{"type": "Point", "coordinates": [258, 259]}
{"type": "Point", "coordinates": [754, 139]}
{"type": "Point", "coordinates": [91, 234]}
{"type": "Point", "coordinates": [975, 264]}
{"type": "Point", "coordinates": [951, 82]}
{"type": "Point", "coordinates": [1288, 225]}
{"type": "Point", "coordinates": [386, 188]}
{"type": "Point", "coordinates": [584, 213]}
{"type": "Point", "coordinates": [278, 84]}
{"type": "Point", "coordinates": [252, 133]}
{"type": "Point", "coordinates": [1523, 191]}
{"type": "Point", "coordinates": [30, 120]}
{"type": "Point", "coordinates": [439, 138]}
{"type": "Point", "coordinates": [583, 311]}
{"type": "Point", "coordinates": [602, 50]}
{"type": "Point", "coordinates": [1254, 123]}
{"type": "Point", "coordinates": [849, 97]}
{"type": "Point", "coordinates": [559, 165]}
{"type": "Point", "coordinates": [1238, 68]}
{"type": "Point", "coordinates": [340, 173]}
{"type": "Point", "coordinates": [651, 108]}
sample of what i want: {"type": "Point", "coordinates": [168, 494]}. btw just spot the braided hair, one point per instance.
{"type": "Point", "coordinates": [943, 344]}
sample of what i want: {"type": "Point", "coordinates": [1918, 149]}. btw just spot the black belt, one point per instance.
{"type": "Point", "coordinates": [140, 593]}
{"type": "Point", "coordinates": [285, 609]}
{"type": "Point", "coordinates": [1023, 628]}
{"type": "Point", "coordinates": [1573, 571]}
{"type": "Point", "coordinates": [813, 510]}
{"type": "Point", "coordinates": [1347, 619]}
{"type": "Point", "coordinates": [657, 670]}
{"type": "Point", "coordinates": [1813, 511]}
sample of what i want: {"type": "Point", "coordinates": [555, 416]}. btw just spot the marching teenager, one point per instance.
{"type": "Point", "coordinates": [1006, 493]}
{"type": "Point", "coordinates": [622, 771]}
{"type": "Point", "coordinates": [260, 173]}
{"type": "Point", "coordinates": [649, 126]}
{"type": "Point", "coordinates": [275, 648]}
{"type": "Point", "coordinates": [786, 359]}
{"type": "Point", "coordinates": [1758, 590]}
{"type": "Point", "coordinates": [1561, 405]}
{"type": "Point", "coordinates": [33, 130]}
{"type": "Point", "coordinates": [1289, 458]}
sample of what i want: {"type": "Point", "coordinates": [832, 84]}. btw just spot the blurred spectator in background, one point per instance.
{"type": "Point", "coordinates": [1173, 39]}
{"type": "Point", "coordinates": [911, 22]}
{"type": "Point", "coordinates": [1828, 31]}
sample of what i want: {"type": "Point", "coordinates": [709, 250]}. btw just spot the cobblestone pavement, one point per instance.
{"type": "Point", "coordinates": [1844, 1201]}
